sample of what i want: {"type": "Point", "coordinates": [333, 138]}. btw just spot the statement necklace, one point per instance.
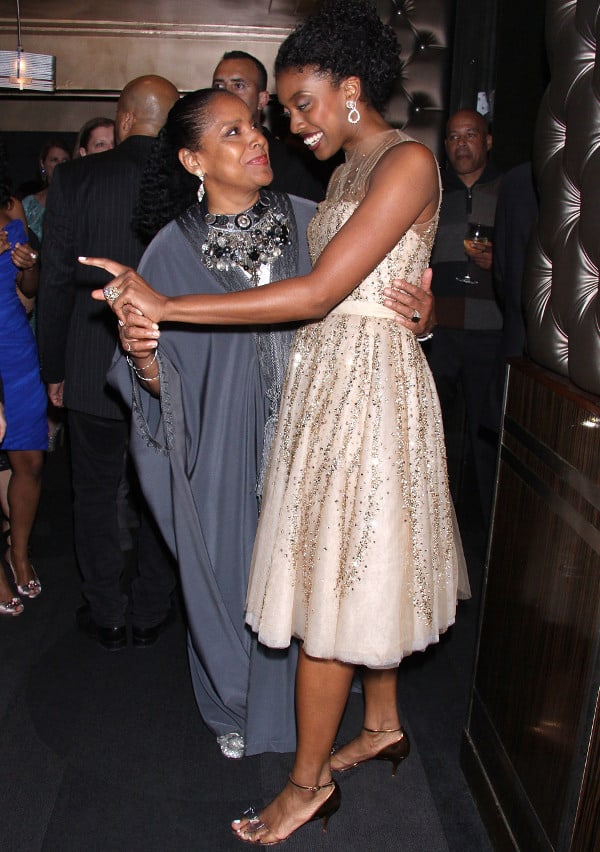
{"type": "Point", "coordinates": [246, 239]}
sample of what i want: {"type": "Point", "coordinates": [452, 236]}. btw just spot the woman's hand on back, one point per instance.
{"type": "Point", "coordinates": [415, 305]}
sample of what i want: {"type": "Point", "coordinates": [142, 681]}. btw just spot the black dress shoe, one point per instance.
{"type": "Point", "coordinates": [143, 637]}
{"type": "Point", "coordinates": [110, 638]}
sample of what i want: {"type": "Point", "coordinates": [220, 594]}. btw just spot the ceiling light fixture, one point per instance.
{"type": "Point", "coordinates": [20, 70]}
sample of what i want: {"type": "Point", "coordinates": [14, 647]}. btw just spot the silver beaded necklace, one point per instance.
{"type": "Point", "coordinates": [248, 240]}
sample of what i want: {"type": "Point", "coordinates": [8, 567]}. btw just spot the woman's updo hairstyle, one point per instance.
{"type": "Point", "coordinates": [189, 118]}
{"type": "Point", "coordinates": [167, 189]}
{"type": "Point", "coordinates": [346, 38]}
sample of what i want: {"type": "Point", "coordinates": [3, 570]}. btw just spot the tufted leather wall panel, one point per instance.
{"type": "Point", "coordinates": [561, 282]}
{"type": "Point", "coordinates": [419, 104]}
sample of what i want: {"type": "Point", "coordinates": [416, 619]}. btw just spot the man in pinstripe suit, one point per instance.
{"type": "Point", "coordinates": [88, 212]}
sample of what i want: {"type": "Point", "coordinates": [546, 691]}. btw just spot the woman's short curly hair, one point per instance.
{"type": "Point", "coordinates": [346, 38]}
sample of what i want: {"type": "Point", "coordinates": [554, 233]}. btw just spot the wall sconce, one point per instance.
{"type": "Point", "coordinates": [31, 71]}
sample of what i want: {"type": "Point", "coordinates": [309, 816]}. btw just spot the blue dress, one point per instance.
{"type": "Point", "coordinates": [24, 393]}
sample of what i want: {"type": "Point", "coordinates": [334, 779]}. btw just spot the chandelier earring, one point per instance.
{"type": "Point", "coordinates": [353, 115]}
{"type": "Point", "coordinates": [200, 192]}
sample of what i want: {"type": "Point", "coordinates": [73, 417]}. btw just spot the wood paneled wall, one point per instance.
{"type": "Point", "coordinates": [533, 726]}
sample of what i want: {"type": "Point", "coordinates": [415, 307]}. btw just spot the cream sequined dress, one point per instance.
{"type": "Point", "coordinates": [357, 550]}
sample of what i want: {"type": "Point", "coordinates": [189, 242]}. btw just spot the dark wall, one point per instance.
{"type": "Point", "coordinates": [521, 78]}
{"type": "Point", "coordinates": [473, 52]}
{"type": "Point", "coordinates": [23, 152]}
{"type": "Point", "coordinates": [499, 49]}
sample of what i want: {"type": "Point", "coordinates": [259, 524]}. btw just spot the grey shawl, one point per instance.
{"type": "Point", "coordinates": [272, 344]}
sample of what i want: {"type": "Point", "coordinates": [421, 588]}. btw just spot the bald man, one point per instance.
{"type": "Point", "coordinates": [463, 353]}
{"type": "Point", "coordinates": [88, 212]}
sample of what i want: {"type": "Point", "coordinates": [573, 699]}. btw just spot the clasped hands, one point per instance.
{"type": "Point", "coordinates": [139, 308]}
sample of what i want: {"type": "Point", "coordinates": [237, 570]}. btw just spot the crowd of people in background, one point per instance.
{"type": "Point", "coordinates": [288, 443]}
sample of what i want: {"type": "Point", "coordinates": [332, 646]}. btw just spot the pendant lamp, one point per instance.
{"type": "Point", "coordinates": [26, 71]}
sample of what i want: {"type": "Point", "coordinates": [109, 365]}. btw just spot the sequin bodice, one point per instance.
{"type": "Point", "coordinates": [347, 188]}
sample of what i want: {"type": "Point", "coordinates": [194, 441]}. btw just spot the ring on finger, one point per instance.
{"type": "Point", "coordinates": [128, 347]}
{"type": "Point", "coordinates": [111, 293]}
{"type": "Point", "coordinates": [416, 316]}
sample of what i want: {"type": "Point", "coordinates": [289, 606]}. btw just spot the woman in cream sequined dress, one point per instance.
{"type": "Point", "coordinates": [357, 552]}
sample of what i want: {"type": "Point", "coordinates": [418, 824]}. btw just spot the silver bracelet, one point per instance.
{"type": "Point", "coordinates": [138, 370]}
{"type": "Point", "coordinates": [425, 337]}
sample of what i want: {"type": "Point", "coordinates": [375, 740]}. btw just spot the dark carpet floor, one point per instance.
{"type": "Point", "coordinates": [106, 752]}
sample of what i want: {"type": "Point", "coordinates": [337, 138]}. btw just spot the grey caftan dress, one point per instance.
{"type": "Point", "coordinates": [198, 453]}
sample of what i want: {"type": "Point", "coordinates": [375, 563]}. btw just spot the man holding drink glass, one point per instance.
{"type": "Point", "coordinates": [463, 353]}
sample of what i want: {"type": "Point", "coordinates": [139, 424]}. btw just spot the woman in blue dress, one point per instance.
{"type": "Point", "coordinates": [26, 434]}
{"type": "Point", "coordinates": [53, 154]}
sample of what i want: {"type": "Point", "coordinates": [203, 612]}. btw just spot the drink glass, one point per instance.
{"type": "Point", "coordinates": [477, 236]}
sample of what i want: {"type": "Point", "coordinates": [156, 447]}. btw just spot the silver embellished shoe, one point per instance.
{"type": "Point", "coordinates": [12, 607]}
{"type": "Point", "coordinates": [29, 590]}
{"type": "Point", "coordinates": [232, 745]}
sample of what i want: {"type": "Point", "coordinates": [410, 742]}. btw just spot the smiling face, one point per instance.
{"type": "Point", "coordinates": [317, 109]}
{"type": "Point", "coordinates": [232, 155]}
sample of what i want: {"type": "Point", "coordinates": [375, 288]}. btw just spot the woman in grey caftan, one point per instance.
{"type": "Point", "coordinates": [199, 448]}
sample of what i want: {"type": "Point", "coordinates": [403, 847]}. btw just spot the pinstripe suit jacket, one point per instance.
{"type": "Point", "coordinates": [88, 212]}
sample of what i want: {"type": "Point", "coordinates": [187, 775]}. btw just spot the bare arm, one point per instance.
{"type": "Point", "coordinates": [22, 254]}
{"type": "Point", "coordinates": [403, 190]}
{"type": "Point", "coordinates": [27, 262]}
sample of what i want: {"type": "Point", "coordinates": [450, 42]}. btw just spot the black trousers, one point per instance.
{"type": "Point", "coordinates": [98, 447]}
{"type": "Point", "coordinates": [463, 364]}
